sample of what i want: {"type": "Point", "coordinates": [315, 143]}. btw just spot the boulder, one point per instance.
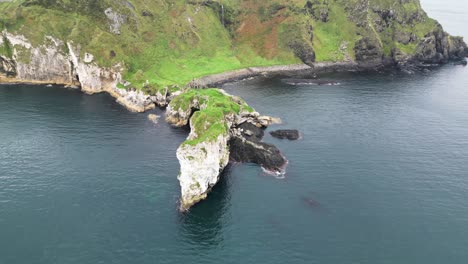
{"type": "Point", "coordinates": [290, 134]}
{"type": "Point", "coordinates": [153, 118]}
{"type": "Point", "coordinates": [247, 147]}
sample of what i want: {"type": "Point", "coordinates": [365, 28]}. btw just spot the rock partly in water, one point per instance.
{"type": "Point", "coordinates": [200, 167]}
{"type": "Point", "coordinates": [215, 136]}
{"type": "Point", "coordinates": [153, 118]}
{"type": "Point", "coordinates": [461, 62]}
{"type": "Point", "coordinates": [265, 121]}
{"type": "Point", "coordinates": [246, 146]}
{"type": "Point", "coordinates": [205, 153]}
{"type": "Point", "coordinates": [290, 134]}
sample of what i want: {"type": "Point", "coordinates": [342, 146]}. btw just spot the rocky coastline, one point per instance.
{"type": "Point", "coordinates": [437, 57]}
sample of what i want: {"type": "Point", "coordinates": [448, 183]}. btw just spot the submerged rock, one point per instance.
{"type": "Point", "coordinates": [153, 118]}
{"type": "Point", "coordinates": [290, 134]}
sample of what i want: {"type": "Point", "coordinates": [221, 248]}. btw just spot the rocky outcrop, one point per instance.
{"type": "Point", "coordinates": [7, 68]}
{"type": "Point", "coordinates": [180, 116]}
{"type": "Point", "coordinates": [116, 20]}
{"type": "Point", "coordinates": [439, 47]}
{"type": "Point", "coordinates": [133, 100]}
{"type": "Point", "coordinates": [49, 63]}
{"type": "Point", "coordinates": [200, 167]}
{"type": "Point", "coordinates": [368, 49]}
{"type": "Point", "coordinates": [219, 124]}
{"type": "Point", "coordinates": [400, 34]}
{"type": "Point", "coordinates": [93, 79]}
{"type": "Point", "coordinates": [246, 146]}
{"type": "Point", "coordinates": [290, 134]}
{"type": "Point", "coordinates": [44, 63]}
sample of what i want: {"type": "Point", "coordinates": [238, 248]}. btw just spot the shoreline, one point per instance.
{"type": "Point", "coordinates": [137, 101]}
{"type": "Point", "coordinates": [120, 95]}
{"type": "Point", "coordinates": [219, 79]}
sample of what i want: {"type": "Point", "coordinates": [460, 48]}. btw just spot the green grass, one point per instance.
{"type": "Point", "coordinates": [407, 49]}
{"type": "Point", "coordinates": [329, 36]}
{"type": "Point", "coordinates": [5, 48]}
{"type": "Point", "coordinates": [209, 121]}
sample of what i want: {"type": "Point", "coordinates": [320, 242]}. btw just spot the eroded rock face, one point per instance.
{"type": "Point", "coordinates": [222, 128]}
{"type": "Point", "coordinates": [368, 49]}
{"type": "Point", "coordinates": [45, 63]}
{"type": "Point", "coordinates": [93, 79]}
{"type": "Point", "coordinates": [439, 47]}
{"type": "Point", "coordinates": [7, 67]}
{"type": "Point", "coordinates": [180, 116]}
{"type": "Point", "coordinates": [116, 20]}
{"type": "Point", "coordinates": [246, 146]}
{"type": "Point", "coordinates": [200, 167]}
{"type": "Point", "coordinates": [134, 101]}
{"type": "Point", "coordinates": [48, 63]}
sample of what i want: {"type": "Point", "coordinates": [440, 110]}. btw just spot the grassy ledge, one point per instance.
{"type": "Point", "coordinates": [212, 115]}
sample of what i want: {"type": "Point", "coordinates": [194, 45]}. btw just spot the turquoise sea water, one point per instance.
{"type": "Point", "coordinates": [380, 176]}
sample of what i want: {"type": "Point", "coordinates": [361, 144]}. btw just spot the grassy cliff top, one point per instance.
{"type": "Point", "coordinates": [213, 110]}
{"type": "Point", "coordinates": [167, 42]}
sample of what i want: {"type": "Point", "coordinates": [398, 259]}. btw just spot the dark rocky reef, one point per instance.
{"type": "Point", "coordinates": [290, 134]}
{"type": "Point", "coordinates": [246, 146]}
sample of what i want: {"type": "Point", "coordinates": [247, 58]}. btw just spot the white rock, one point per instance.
{"type": "Point", "coordinates": [116, 20]}
{"type": "Point", "coordinates": [153, 118]}
{"type": "Point", "coordinates": [88, 58]}
{"type": "Point", "coordinates": [200, 166]}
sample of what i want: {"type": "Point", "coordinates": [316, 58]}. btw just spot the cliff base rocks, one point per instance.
{"type": "Point", "coordinates": [246, 146]}
{"type": "Point", "coordinates": [290, 134]}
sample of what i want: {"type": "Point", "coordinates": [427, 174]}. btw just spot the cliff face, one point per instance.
{"type": "Point", "coordinates": [57, 62]}
{"type": "Point", "coordinates": [200, 167]}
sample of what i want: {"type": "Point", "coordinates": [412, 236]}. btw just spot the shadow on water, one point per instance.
{"type": "Point", "coordinates": [203, 224]}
